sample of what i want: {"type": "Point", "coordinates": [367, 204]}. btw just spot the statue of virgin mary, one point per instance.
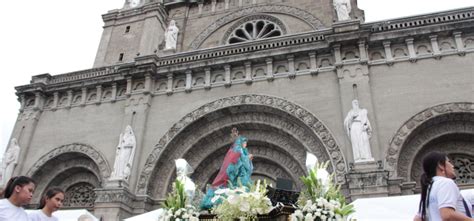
{"type": "Point", "coordinates": [235, 170]}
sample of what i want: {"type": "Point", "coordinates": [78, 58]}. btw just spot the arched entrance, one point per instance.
{"type": "Point", "coordinates": [279, 135]}
{"type": "Point", "coordinates": [447, 128]}
{"type": "Point", "coordinates": [76, 168]}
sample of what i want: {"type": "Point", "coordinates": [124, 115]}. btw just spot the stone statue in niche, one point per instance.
{"type": "Point", "coordinates": [171, 36]}
{"type": "Point", "coordinates": [358, 129]}
{"type": "Point", "coordinates": [10, 160]}
{"type": "Point", "coordinates": [124, 155]}
{"type": "Point", "coordinates": [343, 9]}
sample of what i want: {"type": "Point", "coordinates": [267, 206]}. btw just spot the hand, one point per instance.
{"type": "Point", "coordinates": [251, 156]}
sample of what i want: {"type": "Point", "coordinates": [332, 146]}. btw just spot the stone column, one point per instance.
{"type": "Point", "coordinates": [128, 92]}
{"type": "Point", "coordinates": [200, 4]}
{"type": "Point", "coordinates": [114, 92]}
{"type": "Point", "coordinates": [248, 72]}
{"type": "Point", "coordinates": [169, 90]}
{"type": "Point", "coordinates": [388, 52]}
{"type": "Point", "coordinates": [411, 49]}
{"type": "Point", "coordinates": [459, 44]}
{"type": "Point", "coordinates": [99, 94]}
{"type": "Point", "coordinates": [207, 78]}
{"type": "Point", "coordinates": [434, 45]}
{"type": "Point", "coordinates": [291, 66]}
{"type": "Point", "coordinates": [227, 76]}
{"type": "Point", "coordinates": [363, 51]}
{"type": "Point", "coordinates": [313, 63]}
{"type": "Point", "coordinates": [213, 5]}
{"type": "Point", "coordinates": [226, 6]}
{"type": "Point", "coordinates": [83, 96]}
{"type": "Point", "coordinates": [148, 83]}
{"type": "Point", "coordinates": [189, 81]}
{"type": "Point", "coordinates": [337, 55]}
{"type": "Point", "coordinates": [269, 62]}
{"type": "Point", "coordinates": [69, 98]}
{"type": "Point", "coordinates": [55, 100]}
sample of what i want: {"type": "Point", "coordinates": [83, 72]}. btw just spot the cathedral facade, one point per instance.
{"type": "Point", "coordinates": [181, 74]}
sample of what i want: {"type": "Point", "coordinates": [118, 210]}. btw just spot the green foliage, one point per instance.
{"type": "Point", "coordinates": [315, 189]}
{"type": "Point", "coordinates": [177, 198]}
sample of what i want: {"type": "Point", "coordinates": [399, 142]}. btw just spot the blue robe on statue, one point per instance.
{"type": "Point", "coordinates": [236, 170]}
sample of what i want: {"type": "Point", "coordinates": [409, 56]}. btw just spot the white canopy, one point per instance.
{"type": "Point", "coordinates": [395, 208]}
{"type": "Point", "coordinates": [149, 216]}
{"type": "Point", "coordinates": [70, 215]}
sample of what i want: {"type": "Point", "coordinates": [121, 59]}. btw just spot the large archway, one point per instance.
{"type": "Point", "coordinates": [448, 128]}
{"type": "Point", "coordinates": [279, 135]}
{"type": "Point", "coordinates": [76, 168]}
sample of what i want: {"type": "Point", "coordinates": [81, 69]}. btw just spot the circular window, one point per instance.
{"type": "Point", "coordinates": [253, 28]}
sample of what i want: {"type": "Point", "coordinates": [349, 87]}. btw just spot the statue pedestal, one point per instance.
{"type": "Point", "coordinates": [166, 52]}
{"type": "Point", "coordinates": [116, 183]}
{"type": "Point", "coordinates": [367, 179]}
{"type": "Point", "coordinates": [346, 25]}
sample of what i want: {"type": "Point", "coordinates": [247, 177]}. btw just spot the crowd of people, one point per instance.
{"type": "Point", "coordinates": [18, 193]}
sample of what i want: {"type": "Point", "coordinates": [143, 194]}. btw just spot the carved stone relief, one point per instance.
{"type": "Point", "coordinates": [292, 111]}
{"type": "Point", "coordinates": [399, 143]}
{"type": "Point", "coordinates": [80, 195]}
{"type": "Point", "coordinates": [284, 9]}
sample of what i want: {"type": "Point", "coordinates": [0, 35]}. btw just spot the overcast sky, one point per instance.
{"type": "Point", "coordinates": [60, 36]}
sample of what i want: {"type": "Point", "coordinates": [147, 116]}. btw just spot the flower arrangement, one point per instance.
{"type": "Point", "coordinates": [176, 207]}
{"type": "Point", "coordinates": [242, 202]}
{"type": "Point", "coordinates": [321, 200]}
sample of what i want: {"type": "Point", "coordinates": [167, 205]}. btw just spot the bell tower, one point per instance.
{"type": "Point", "coordinates": [134, 30]}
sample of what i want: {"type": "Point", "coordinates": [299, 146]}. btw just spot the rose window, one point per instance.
{"type": "Point", "coordinates": [253, 30]}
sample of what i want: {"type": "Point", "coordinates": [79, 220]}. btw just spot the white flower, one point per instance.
{"type": "Point", "coordinates": [323, 217]}
{"type": "Point", "coordinates": [308, 217]}
{"type": "Point", "coordinates": [299, 214]}
{"type": "Point", "coordinates": [244, 206]}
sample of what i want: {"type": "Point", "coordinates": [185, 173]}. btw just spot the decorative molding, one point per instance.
{"type": "Point", "coordinates": [89, 151]}
{"type": "Point", "coordinates": [398, 142]}
{"type": "Point", "coordinates": [273, 20]}
{"type": "Point", "coordinates": [305, 16]}
{"type": "Point", "coordinates": [294, 110]}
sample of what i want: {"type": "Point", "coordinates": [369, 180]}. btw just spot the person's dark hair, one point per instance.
{"type": "Point", "coordinates": [16, 181]}
{"type": "Point", "coordinates": [48, 195]}
{"type": "Point", "coordinates": [430, 164]}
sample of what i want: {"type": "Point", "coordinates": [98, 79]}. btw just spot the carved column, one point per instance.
{"type": "Point", "coordinates": [207, 78]}
{"type": "Point", "coordinates": [83, 96]}
{"type": "Point", "coordinates": [313, 63]}
{"type": "Point", "coordinates": [169, 89]}
{"type": "Point", "coordinates": [459, 44]}
{"type": "Point", "coordinates": [411, 49]}
{"type": "Point", "coordinates": [200, 4]}
{"type": "Point", "coordinates": [55, 100]}
{"type": "Point", "coordinates": [248, 72]}
{"type": "Point", "coordinates": [39, 100]}
{"type": "Point", "coordinates": [114, 92]}
{"type": "Point", "coordinates": [22, 102]}
{"type": "Point", "coordinates": [270, 76]}
{"type": "Point", "coordinates": [434, 45]}
{"type": "Point", "coordinates": [128, 92]}
{"type": "Point", "coordinates": [189, 81]}
{"type": "Point", "coordinates": [226, 6]}
{"type": "Point", "coordinates": [227, 75]}
{"type": "Point", "coordinates": [337, 55]}
{"type": "Point", "coordinates": [240, 3]}
{"type": "Point", "coordinates": [388, 52]}
{"type": "Point", "coordinates": [213, 5]}
{"type": "Point", "coordinates": [147, 83]}
{"type": "Point", "coordinates": [69, 98]}
{"type": "Point", "coordinates": [291, 66]}
{"type": "Point", "coordinates": [363, 51]}
{"type": "Point", "coordinates": [99, 94]}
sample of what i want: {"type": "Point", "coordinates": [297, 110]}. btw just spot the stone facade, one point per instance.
{"type": "Point", "coordinates": [287, 91]}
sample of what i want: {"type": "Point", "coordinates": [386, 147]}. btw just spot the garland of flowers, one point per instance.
{"type": "Point", "coordinates": [321, 200]}
{"type": "Point", "coordinates": [176, 207]}
{"type": "Point", "coordinates": [242, 202]}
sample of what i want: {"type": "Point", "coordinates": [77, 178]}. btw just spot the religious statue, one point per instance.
{"type": "Point", "coordinates": [183, 170]}
{"type": "Point", "coordinates": [343, 9]}
{"type": "Point", "coordinates": [171, 36]}
{"type": "Point", "coordinates": [131, 3]}
{"type": "Point", "coordinates": [358, 129]}
{"type": "Point", "coordinates": [235, 170]}
{"type": "Point", "coordinates": [124, 155]}
{"type": "Point", "coordinates": [10, 161]}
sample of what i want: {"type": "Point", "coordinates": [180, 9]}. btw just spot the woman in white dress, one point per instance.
{"type": "Point", "coordinates": [18, 192]}
{"type": "Point", "coordinates": [50, 202]}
